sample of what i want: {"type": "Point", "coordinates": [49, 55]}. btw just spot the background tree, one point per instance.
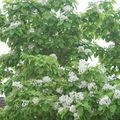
{"type": "Point", "coordinates": [48, 76]}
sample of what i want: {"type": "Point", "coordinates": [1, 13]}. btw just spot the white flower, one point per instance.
{"type": "Point", "coordinates": [72, 94]}
{"type": "Point", "coordinates": [111, 45]}
{"type": "Point", "coordinates": [67, 8]}
{"type": "Point", "coordinates": [63, 17]}
{"type": "Point", "coordinates": [65, 100]}
{"type": "Point", "coordinates": [79, 96]}
{"type": "Point", "coordinates": [61, 68]}
{"type": "Point", "coordinates": [105, 101]}
{"type": "Point", "coordinates": [83, 84]}
{"type": "Point", "coordinates": [80, 49]}
{"type": "Point", "coordinates": [43, 2]}
{"type": "Point", "coordinates": [56, 105]}
{"type": "Point", "coordinates": [46, 79]}
{"type": "Point", "coordinates": [17, 84]}
{"type": "Point", "coordinates": [35, 100]}
{"type": "Point", "coordinates": [91, 86]}
{"type": "Point", "coordinates": [75, 115]}
{"type": "Point", "coordinates": [59, 90]}
{"type": "Point", "coordinates": [83, 66]}
{"type": "Point", "coordinates": [38, 81]}
{"type": "Point", "coordinates": [32, 30]}
{"type": "Point", "coordinates": [72, 109]}
{"type": "Point", "coordinates": [91, 94]}
{"type": "Point", "coordinates": [31, 46]}
{"type": "Point", "coordinates": [117, 94]}
{"type": "Point", "coordinates": [72, 77]}
{"type": "Point", "coordinates": [54, 56]}
{"type": "Point", "coordinates": [88, 51]}
{"type": "Point", "coordinates": [107, 86]}
{"type": "Point", "coordinates": [14, 24]}
{"type": "Point", "coordinates": [60, 109]}
{"type": "Point", "coordinates": [25, 103]}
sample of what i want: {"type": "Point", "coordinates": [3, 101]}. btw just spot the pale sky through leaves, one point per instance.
{"type": "Point", "coordinates": [82, 6]}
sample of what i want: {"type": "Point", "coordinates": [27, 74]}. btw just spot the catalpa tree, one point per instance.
{"type": "Point", "coordinates": [46, 75]}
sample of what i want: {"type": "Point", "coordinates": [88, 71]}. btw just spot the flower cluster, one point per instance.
{"type": "Point", "coordinates": [83, 66]}
{"type": "Point", "coordinates": [105, 101]}
{"type": "Point", "coordinates": [54, 56]}
{"type": "Point", "coordinates": [67, 102]}
{"type": "Point", "coordinates": [36, 100]}
{"type": "Point", "coordinates": [45, 79]}
{"type": "Point", "coordinates": [43, 2]}
{"type": "Point", "coordinates": [14, 24]}
{"type": "Point", "coordinates": [117, 94]}
{"type": "Point", "coordinates": [18, 85]}
{"type": "Point", "coordinates": [25, 103]}
{"type": "Point", "coordinates": [72, 77]}
{"type": "Point", "coordinates": [86, 51]}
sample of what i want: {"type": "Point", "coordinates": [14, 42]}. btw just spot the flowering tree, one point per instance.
{"type": "Point", "coordinates": [47, 73]}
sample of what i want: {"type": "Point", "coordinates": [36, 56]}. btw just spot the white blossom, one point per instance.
{"type": "Point", "coordinates": [61, 68]}
{"type": "Point", "coordinates": [111, 45]}
{"type": "Point", "coordinates": [65, 100]}
{"type": "Point", "coordinates": [43, 2]}
{"type": "Point", "coordinates": [54, 56]}
{"type": "Point", "coordinates": [32, 30]}
{"type": "Point", "coordinates": [14, 24]}
{"type": "Point", "coordinates": [79, 96]}
{"type": "Point", "coordinates": [107, 86]}
{"type": "Point", "coordinates": [72, 77]}
{"type": "Point", "coordinates": [117, 94]}
{"type": "Point", "coordinates": [105, 101]}
{"type": "Point", "coordinates": [83, 66]}
{"type": "Point", "coordinates": [35, 100]}
{"type": "Point", "coordinates": [80, 49]}
{"type": "Point", "coordinates": [31, 46]}
{"type": "Point", "coordinates": [46, 79]}
{"type": "Point", "coordinates": [72, 94]}
{"type": "Point", "coordinates": [67, 8]}
{"type": "Point", "coordinates": [60, 109]}
{"type": "Point", "coordinates": [91, 94]}
{"type": "Point", "coordinates": [56, 105]}
{"type": "Point", "coordinates": [25, 103]}
{"type": "Point", "coordinates": [72, 109]}
{"type": "Point", "coordinates": [17, 84]}
{"type": "Point", "coordinates": [83, 84]}
{"type": "Point", "coordinates": [91, 86]}
{"type": "Point", "coordinates": [75, 115]}
{"type": "Point", "coordinates": [63, 17]}
{"type": "Point", "coordinates": [38, 82]}
{"type": "Point", "coordinates": [88, 51]}
{"type": "Point", "coordinates": [59, 90]}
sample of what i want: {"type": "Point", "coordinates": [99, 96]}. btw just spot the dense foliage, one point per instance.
{"type": "Point", "coordinates": [47, 73]}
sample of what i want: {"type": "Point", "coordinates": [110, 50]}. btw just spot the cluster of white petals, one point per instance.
{"type": "Point", "coordinates": [107, 86]}
{"type": "Point", "coordinates": [86, 51]}
{"type": "Point", "coordinates": [35, 100]}
{"type": "Point", "coordinates": [105, 101]}
{"type": "Point", "coordinates": [17, 84]}
{"type": "Point", "coordinates": [83, 66]}
{"type": "Point", "coordinates": [72, 77]}
{"type": "Point", "coordinates": [54, 56]}
{"type": "Point", "coordinates": [91, 86]}
{"type": "Point", "coordinates": [31, 30]}
{"type": "Point", "coordinates": [83, 84]}
{"type": "Point", "coordinates": [25, 103]}
{"type": "Point", "coordinates": [59, 90]}
{"type": "Point", "coordinates": [67, 8]}
{"type": "Point", "coordinates": [31, 46]}
{"type": "Point", "coordinates": [14, 24]}
{"type": "Point", "coordinates": [117, 94]}
{"type": "Point", "coordinates": [43, 2]}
